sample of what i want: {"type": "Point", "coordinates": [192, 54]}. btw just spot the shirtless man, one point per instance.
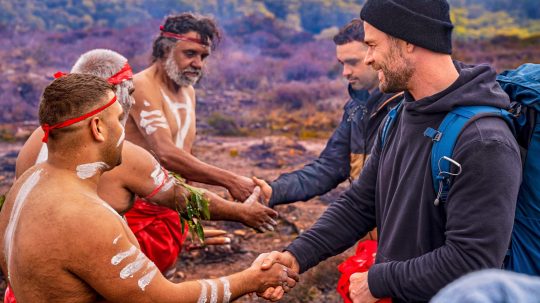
{"type": "Point", "coordinates": [140, 174]}
{"type": "Point", "coordinates": [63, 243]}
{"type": "Point", "coordinates": [162, 120]}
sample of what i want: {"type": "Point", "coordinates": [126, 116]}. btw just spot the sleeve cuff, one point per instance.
{"type": "Point", "coordinates": [302, 256]}
{"type": "Point", "coordinates": [378, 286]}
{"type": "Point", "coordinates": [276, 198]}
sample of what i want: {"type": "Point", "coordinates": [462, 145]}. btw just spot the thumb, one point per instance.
{"type": "Point", "coordinates": [254, 196]}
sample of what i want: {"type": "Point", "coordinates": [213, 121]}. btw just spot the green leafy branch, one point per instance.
{"type": "Point", "coordinates": [2, 200]}
{"type": "Point", "coordinates": [197, 208]}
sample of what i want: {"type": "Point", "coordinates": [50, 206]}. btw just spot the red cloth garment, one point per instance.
{"type": "Point", "coordinates": [9, 297]}
{"type": "Point", "coordinates": [363, 259]}
{"type": "Point", "coordinates": [158, 231]}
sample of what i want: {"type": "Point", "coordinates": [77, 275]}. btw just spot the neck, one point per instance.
{"type": "Point", "coordinates": [158, 70]}
{"type": "Point", "coordinates": [83, 165]}
{"type": "Point", "coordinates": [433, 75]}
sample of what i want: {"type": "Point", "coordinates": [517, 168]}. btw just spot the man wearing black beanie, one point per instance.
{"type": "Point", "coordinates": [423, 244]}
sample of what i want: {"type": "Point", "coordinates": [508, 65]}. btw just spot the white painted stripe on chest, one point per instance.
{"type": "Point", "coordinates": [175, 107]}
{"type": "Point", "coordinates": [152, 120]}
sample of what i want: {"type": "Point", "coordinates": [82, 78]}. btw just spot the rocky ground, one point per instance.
{"type": "Point", "coordinates": [266, 158]}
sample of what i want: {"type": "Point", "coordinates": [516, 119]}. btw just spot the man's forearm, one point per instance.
{"type": "Point", "coordinates": [221, 209]}
{"type": "Point", "coordinates": [189, 167]}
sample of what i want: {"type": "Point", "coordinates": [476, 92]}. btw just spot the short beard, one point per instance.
{"type": "Point", "coordinates": [179, 76]}
{"type": "Point", "coordinates": [396, 79]}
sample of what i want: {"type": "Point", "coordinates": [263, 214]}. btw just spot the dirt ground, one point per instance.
{"type": "Point", "coordinates": [265, 158]}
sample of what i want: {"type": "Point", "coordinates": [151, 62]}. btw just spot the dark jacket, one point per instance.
{"type": "Point", "coordinates": [423, 247]}
{"type": "Point", "coordinates": [347, 148]}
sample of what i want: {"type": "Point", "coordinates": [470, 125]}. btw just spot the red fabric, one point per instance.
{"type": "Point", "coordinates": [158, 231]}
{"type": "Point", "coordinates": [179, 36]}
{"type": "Point", "coordinates": [360, 262]}
{"type": "Point", "coordinates": [47, 128]}
{"type": "Point", "coordinates": [124, 74]}
{"type": "Point", "coordinates": [9, 297]}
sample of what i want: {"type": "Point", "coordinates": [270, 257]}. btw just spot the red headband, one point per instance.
{"type": "Point", "coordinates": [47, 128]}
{"type": "Point", "coordinates": [180, 36]}
{"type": "Point", "coordinates": [124, 74]}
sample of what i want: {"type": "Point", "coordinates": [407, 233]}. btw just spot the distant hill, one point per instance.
{"type": "Point", "coordinates": [313, 16]}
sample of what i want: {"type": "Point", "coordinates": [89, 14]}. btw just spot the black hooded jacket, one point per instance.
{"type": "Point", "coordinates": [423, 247]}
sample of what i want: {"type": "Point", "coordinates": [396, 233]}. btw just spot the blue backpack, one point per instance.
{"type": "Point", "coordinates": [523, 87]}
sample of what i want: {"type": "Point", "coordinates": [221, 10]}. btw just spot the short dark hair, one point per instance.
{"type": "Point", "coordinates": [182, 24]}
{"type": "Point", "coordinates": [352, 31]}
{"type": "Point", "coordinates": [71, 96]}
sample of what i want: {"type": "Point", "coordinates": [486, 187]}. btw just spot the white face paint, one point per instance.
{"type": "Point", "coordinates": [88, 170]}
{"type": "Point", "coordinates": [152, 120]}
{"type": "Point", "coordinates": [133, 267]}
{"type": "Point", "coordinates": [146, 103]}
{"type": "Point", "coordinates": [18, 205]}
{"type": "Point", "coordinates": [122, 136]}
{"type": "Point", "coordinates": [122, 255]}
{"type": "Point", "coordinates": [175, 107]}
{"type": "Point", "coordinates": [43, 154]}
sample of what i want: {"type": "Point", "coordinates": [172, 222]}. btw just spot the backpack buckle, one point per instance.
{"type": "Point", "coordinates": [432, 133]}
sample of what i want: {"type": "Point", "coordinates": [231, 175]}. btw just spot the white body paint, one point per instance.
{"type": "Point", "coordinates": [88, 170]}
{"type": "Point", "coordinates": [122, 137]}
{"type": "Point", "coordinates": [202, 296]}
{"type": "Point", "coordinates": [18, 205]}
{"type": "Point", "coordinates": [152, 120]}
{"type": "Point", "coordinates": [133, 267]}
{"type": "Point", "coordinates": [116, 239]}
{"type": "Point", "coordinates": [158, 175]}
{"type": "Point", "coordinates": [183, 128]}
{"type": "Point", "coordinates": [226, 289]}
{"type": "Point", "coordinates": [213, 291]}
{"type": "Point", "coordinates": [43, 154]}
{"type": "Point", "coordinates": [146, 103]}
{"type": "Point", "coordinates": [146, 279]}
{"type": "Point", "coordinates": [119, 257]}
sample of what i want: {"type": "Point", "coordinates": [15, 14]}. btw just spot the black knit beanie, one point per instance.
{"type": "Point", "coordinates": [425, 23]}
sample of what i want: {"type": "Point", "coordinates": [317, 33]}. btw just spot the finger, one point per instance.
{"type": "Point", "coordinates": [277, 294]}
{"type": "Point", "coordinates": [272, 213]}
{"type": "Point", "coordinates": [268, 227]}
{"type": "Point", "coordinates": [291, 274]}
{"type": "Point", "coordinates": [254, 196]}
{"type": "Point", "coordinates": [267, 293]}
{"type": "Point", "coordinates": [272, 221]}
{"type": "Point", "coordinates": [273, 257]}
{"type": "Point", "coordinates": [217, 241]}
{"type": "Point", "coordinates": [262, 228]}
{"type": "Point", "coordinates": [291, 282]}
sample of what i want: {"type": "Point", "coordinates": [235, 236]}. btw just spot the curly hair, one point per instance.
{"type": "Point", "coordinates": [182, 24]}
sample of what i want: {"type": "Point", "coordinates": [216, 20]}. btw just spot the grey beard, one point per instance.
{"type": "Point", "coordinates": [178, 76]}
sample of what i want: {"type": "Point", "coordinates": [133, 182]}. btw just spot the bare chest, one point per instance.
{"type": "Point", "coordinates": [179, 110]}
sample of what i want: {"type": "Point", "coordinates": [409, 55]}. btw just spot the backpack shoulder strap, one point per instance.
{"type": "Point", "coordinates": [444, 140]}
{"type": "Point", "coordinates": [389, 122]}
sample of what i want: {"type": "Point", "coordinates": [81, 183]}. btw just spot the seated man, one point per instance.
{"type": "Point", "coordinates": [140, 174]}
{"type": "Point", "coordinates": [63, 243]}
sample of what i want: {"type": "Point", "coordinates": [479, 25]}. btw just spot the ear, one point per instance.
{"type": "Point", "coordinates": [409, 47]}
{"type": "Point", "coordinates": [97, 128]}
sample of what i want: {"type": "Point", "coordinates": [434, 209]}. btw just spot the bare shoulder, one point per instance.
{"type": "Point", "coordinates": [135, 160]}
{"type": "Point", "coordinates": [29, 152]}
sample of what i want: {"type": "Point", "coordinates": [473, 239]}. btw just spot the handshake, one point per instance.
{"type": "Point", "coordinates": [275, 273]}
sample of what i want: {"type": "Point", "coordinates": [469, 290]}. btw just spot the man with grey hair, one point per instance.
{"type": "Point", "coordinates": [140, 174]}
{"type": "Point", "coordinates": [163, 118]}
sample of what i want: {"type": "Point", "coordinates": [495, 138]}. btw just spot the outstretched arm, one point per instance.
{"type": "Point", "coordinates": [148, 115]}
{"type": "Point", "coordinates": [141, 174]}
{"type": "Point", "coordinates": [117, 270]}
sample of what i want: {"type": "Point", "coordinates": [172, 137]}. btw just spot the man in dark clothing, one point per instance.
{"type": "Point", "coordinates": [422, 246]}
{"type": "Point", "coordinates": [350, 144]}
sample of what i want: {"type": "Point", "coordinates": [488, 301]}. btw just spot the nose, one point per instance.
{"type": "Point", "coordinates": [368, 59]}
{"type": "Point", "coordinates": [197, 62]}
{"type": "Point", "coordinates": [346, 71]}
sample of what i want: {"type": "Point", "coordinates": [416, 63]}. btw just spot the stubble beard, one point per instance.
{"type": "Point", "coordinates": [179, 76]}
{"type": "Point", "coordinates": [396, 79]}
